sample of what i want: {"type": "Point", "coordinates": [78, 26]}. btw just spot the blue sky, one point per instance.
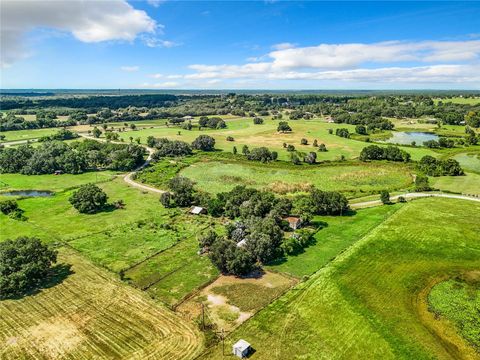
{"type": "Point", "coordinates": [244, 45]}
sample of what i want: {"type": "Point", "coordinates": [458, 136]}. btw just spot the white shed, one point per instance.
{"type": "Point", "coordinates": [241, 348]}
{"type": "Point", "coordinates": [196, 210]}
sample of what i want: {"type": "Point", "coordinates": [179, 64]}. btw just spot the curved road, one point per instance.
{"type": "Point", "coordinates": [128, 177]}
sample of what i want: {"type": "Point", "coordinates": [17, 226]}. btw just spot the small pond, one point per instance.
{"type": "Point", "coordinates": [27, 193]}
{"type": "Point", "coordinates": [406, 138]}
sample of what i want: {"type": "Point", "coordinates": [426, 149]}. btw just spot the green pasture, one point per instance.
{"type": "Point", "coordinates": [363, 304]}
{"type": "Point", "coordinates": [459, 100]}
{"type": "Point", "coordinates": [468, 184]}
{"type": "Point", "coordinates": [16, 135]}
{"type": "Point", "coordinates": [337, 233]}
{"type": "Point", "coordinates": [458, 301]}
{"type": "Point", "coordinates": [354, 179]}
{"type": "Point", "coordinates": [51, 182]}
{"type": "Point", "coordinates": [245, 132]}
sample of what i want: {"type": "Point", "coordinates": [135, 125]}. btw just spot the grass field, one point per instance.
{"type": "Point", "coordinates": [457, 302]}
{"type": "Point", "coordinates": [459, 100]}
{"type": "Point", "coordinates": [364, 304]}
{"type": "Point", "coordinates": [246, 133]}
{"type": "Point", "coordinates": [89, 314]}
{"type": "Point", "coordinates": [352, 179]}
{"type": "Point", "coordinates": [16, 135]}
{"type": "Point", "coordinates": [468, 184]}
{"type": "Point", "coordinates": [51, 182]}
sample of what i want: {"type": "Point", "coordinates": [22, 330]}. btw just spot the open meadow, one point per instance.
{"type": "Point", "coordinates": [369, 301]}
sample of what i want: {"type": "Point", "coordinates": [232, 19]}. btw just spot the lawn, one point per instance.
{"type": "Point", "coordinates": [246, 133]}
{"type": "Point", "coordinates": [55, 216]}
{"type": "Point", "coordinates": [338, 233]}
{"type": "Point", "coordinates": [87, 313]}
{"type": "Point", "coordinates": [353, 179]}
{"type": "Point", "coordinates": [29, 134]}
{"type": "Point", "coordinates": [459, 100]}
{"type": "Point", "coordinates": [51, 182]}
{"type": "Point", "coordinates": [468, 184]}
{"type": "Point", "coordinates": [173, 273]}
{"type": "Point", "coordinates": [364, 303]}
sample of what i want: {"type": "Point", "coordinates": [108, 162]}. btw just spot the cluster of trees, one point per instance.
{"type": "Point", "coordinates": [204, 143]}
{"type": "Point", "coordinates": [11, 122]}
{"type": "Point", "coordinates": [365, 120]}
{"type": "Point", "coordinates": [212, 123]}
{"type": "Point", "coordinates": [433, 167]}
{"type": "Point", "coordinates": [63, 134]}
{"type": "Point", "coordinates": [89, 199]}
{"type": "Point", "coordinates": [390, 153]}
{"type": "Point", "coordinates": [11, 209]}
{"type": "Point", "coordinates": [442, 142]}
{"type": "Point", "coordinates": [257, 235]}
{"type": "Point", "coordinates": [473, 119]}
{"type": "Point", "coordinates": [24, 264]}
{"type": "Point", "coordinates": [73, 158]}
{"type": "Point", "coordinates": [168, 148]}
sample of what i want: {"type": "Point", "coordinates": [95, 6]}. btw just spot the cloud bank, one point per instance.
{"type": "Point", "coordinates": [87, 21]}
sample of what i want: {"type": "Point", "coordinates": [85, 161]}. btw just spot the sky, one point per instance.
{"type": "Point", "coordinates": [156, 44]}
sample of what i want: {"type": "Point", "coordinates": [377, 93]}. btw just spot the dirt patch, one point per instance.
{"type": "Point", "coordinates": [230, 300]}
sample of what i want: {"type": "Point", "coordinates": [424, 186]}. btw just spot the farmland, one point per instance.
{"type": "Point", "coordinates": [370, 292]}
{"type": "Point", "coordinates": [202, 241]}
{"type": "Point", "coordinates": [86, 312]}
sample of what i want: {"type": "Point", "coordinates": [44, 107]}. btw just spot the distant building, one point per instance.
{"type": "Point", "coordinates": [58, 172]}
{"type": "Point", "coordinates": [187, 117]}
{"type": "Point", "coordinates": [196, 210]}
{"type": "Point", "coordinates": [294, 222]}
{"type": "Point", "coordinates": [241, 348]}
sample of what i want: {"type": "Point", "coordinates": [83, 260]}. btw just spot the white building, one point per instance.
{"type": "Point", "coordinates": [241, 348]}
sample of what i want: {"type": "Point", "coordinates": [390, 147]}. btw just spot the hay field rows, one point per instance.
{"type": "Point", "coordinates": [89, 314]}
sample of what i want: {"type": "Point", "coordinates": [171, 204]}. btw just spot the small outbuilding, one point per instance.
{"type": "Point", "coordinates": [197, 210]}
{"type": "Point", "coordinates": [241, 243]}
{"type": "Point", "coordinates": [241, 348]}
{"type": "Point", "coordinates": [294, 222]}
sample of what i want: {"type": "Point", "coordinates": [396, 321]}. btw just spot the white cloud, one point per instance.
{"type": "Point", "coordinates": [156, 76]}
{"type": "Point", "coordinates": [130, 68]}
{"type": "Point", "coordinates": [162, 85]}
{"type": "Point", "coordinates": [155, 3]}
{"type": "Point", "coordinates": [152, 41]}
{"type": "Point", "coordinates": [283, 46]}
{"type": "Point", "coordinates": [423, 62]}
{"type": "Point", "coordinates": [88, 21]}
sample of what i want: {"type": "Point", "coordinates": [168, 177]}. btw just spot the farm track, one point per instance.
{"type": "Point", "coordinates": [414, 196]}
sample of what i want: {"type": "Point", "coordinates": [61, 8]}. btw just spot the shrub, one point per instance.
{"type": "Point", "coordinates": [168, 148]}
{"type": "Point", "coordinates": [230, 138]}
{"type": "Point", "coordinates": [322, 148]}
{"type": "Point", "coordinates": [261, 154]}
{"type": "Point", "coordinates": [304, 141]}
{"type": "Point", "coordinates": [342, 132]}
{"type": "Point", "coordinates": [88, 199]}
{"type": "Point", "coordinates": [385, 197]}
{"type": "Point", "coordinates": [204, 143]}
{"type": "Point", "coordinates": [283, 127]}
{"type": "Point", "coordinates": [257, 120]}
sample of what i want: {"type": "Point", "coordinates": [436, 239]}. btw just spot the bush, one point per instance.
{"type": "Point", "coordinates": [433, 167]}
{"type": "Point", "coordinates": [303, 141]}
{"type": "Point", "coordinates": [385, 197]}
{"type": "Point", "coordinates": [88, 199]}
{"type": "Point", "coordinates": [342, 132]}
{"type": "Point", "coordinates": [8, 206]}
{"type": "Point", "coordinates": [168, 148]}
{"type": "Point", "coordinates": [166, 199]}
{"type": "Point", "coordinates": [262, 154]}
{"type": "Point", "coordinates": [421, 183]}
{"type": "Point", "coordinates": [204, 143]}
{"type": "Point", "coordinates": [257, 120]}
{"type": "Point", "coordinates": [230, 138]}
{"type": "Point", "coordinates": [401, 199]}
{"type": "Point", "coordinates": [322, 148]}
{"type": "Point", "coordinates": [24, 264]}
{"type": "Point", "coordinates": [283, 127]}
{"type": "Point", "coordinates": [311, 158]}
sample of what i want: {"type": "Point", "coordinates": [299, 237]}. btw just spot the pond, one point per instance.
{"type": "Point", "coordinates": [406, 138]}
{"type": "Point", "coordinates": [28, 193]}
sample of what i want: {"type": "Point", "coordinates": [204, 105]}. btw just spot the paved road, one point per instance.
{"type": "Point", "coordinates": [128, 177]}
{"type": "Point", "coordinates": [414, 196]}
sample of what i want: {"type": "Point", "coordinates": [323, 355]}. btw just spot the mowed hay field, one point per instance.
{"type": "Point", "coordinates": [245, 132]}
{"type": "Point", "coordinates": [352, 178]}
{"type": "Point", "coordinates": [91, 315]}
{"type": "Point", "coordinates": [366, 303]}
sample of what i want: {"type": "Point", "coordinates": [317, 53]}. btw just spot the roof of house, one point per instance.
{"type": "Point", "coordinates": [292, 219]}
{"type": "Point", "coordinates": [242, 243]}
{"type": "Point", "coordinates": [242, 345]}
{"type": "Point", "coordinates": [196, 210]}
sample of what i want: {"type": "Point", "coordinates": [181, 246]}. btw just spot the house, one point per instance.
{"type": "Point", "coordinates": [241, 348]}
{"type": "Point", "coordinates": [242, 243]}
{"type": "Point", "coordinates": [196, 210]}
{"type": "Point", "coordinates": [293, 221]}
{"type": "Point", "coordinates": [187, 118]}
